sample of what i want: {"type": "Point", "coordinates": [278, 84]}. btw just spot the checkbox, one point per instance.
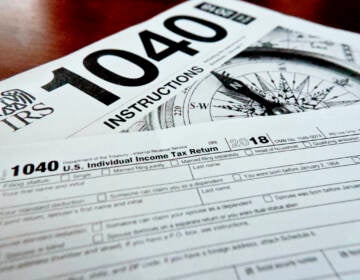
{"type": "Point", "coordinates": [249, 152]}
{"type": "Point", "coordinates": [105, 172]}
{"type": "Point", "coordinates": [65, 177]}
{"type": "Point", "coordinates": [98, 238]}
{"type": "Point", "coordinates": [268, 198]}
{"type": "Point", "coordinates": [174, 162]}
{"type": "Point", "coordinates": [307, 144]}
{"type": "Point", "coordinates": [97, 227]}
{"type": "Point", "coordinates": [101, 197]}
{"type": "Point", "coordinates": [356, 159]}
{"type": "Point", "coordinates": [237, 177]}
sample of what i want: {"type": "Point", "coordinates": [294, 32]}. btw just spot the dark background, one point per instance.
{"type": "Point", "coordinates": [33, 32]}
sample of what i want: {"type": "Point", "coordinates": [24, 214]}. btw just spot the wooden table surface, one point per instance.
{"type": "Point", "coordinates": [33, 32]}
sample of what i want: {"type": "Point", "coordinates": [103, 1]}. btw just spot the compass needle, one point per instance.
{"type": "Point", "coordinates": [237, 87]}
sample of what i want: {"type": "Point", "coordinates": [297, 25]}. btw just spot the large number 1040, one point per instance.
{"type": "Point", "coordinates": [63, 76]}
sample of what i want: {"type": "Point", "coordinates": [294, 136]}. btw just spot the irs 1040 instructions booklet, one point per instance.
{"type": "Point", "coordinates": [201, 60]}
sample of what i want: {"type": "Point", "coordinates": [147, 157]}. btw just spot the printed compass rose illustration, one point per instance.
{"type": "Point", "coordinates": [274, 98]}
{"type": "Point", "coordinates": [274, 105]}
{"type": "Point", "coordinates": [259, 82]}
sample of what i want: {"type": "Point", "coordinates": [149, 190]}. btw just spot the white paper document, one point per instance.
{"type": "Point", "coordinates": [298, 70]}
{"type": "Point", "coordinates": [112, 85]}
{"type": "Point", "coordinates": [262, 198]}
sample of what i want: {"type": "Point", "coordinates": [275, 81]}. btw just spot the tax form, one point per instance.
{"type": "Point", "coordinates": [261, 198]}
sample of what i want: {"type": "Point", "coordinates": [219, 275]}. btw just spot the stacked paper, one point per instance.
{"type": "Point", "coordinates": [236, 197]}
